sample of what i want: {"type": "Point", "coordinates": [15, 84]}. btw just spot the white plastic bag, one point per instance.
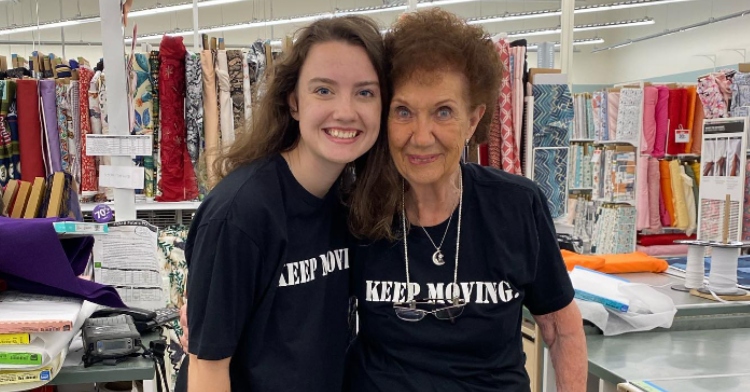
{"type": "Point", "coordinates": [648, 309]}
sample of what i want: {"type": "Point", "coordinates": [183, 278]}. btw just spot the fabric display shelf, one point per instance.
{"type": "Point", "coordinates": [646, 157]}
{"type": "Point", "coordinates": [193, 105]}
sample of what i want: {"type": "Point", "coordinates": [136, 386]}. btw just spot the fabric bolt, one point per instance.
{"type": "Point", "coordinates": [642, 194]}
{"type": "Point", "coordinates": [604, 115]}
{"type": "Point", "coordinates": [668, 219]}
{"type": "Point", "coordinates": [89, 182]}
{"type": "Point", "coordinates": [143, 124]}
{"type": "Point", "coordinates": [654, 194]}
{"type": "Point", "coordinates": [746, 205]}
{"type": "Point", "coordinates": [519, 61]}
{"type": "Point", "coordinates": [550, 171]}
{"type": "Point", "coordinates": [662, 122]}
{"type": "Point", "coordinates": [629, 115]}
{"type": "Point", "coordinates": [711, 96]}
{"type": "Point", "coordinates": [154, 65]}
{"type": "Point", "coordinates": [663, 239]}
{"type": "Point", "coordinates": [691, 175]}
{"type": "Point", "coordinates": [41, 263]}
{"type": "Point", "coordinates": [678, 195]}
{"type": "Point", "coordinates": [9, 154]}
{"type": "Point", "coordinates": [53, 161]}
{"type": "Point", "coordinates": [596, 105]}
{"type": "Point", "coordinates": [590, 129]}
{"type": "Point", "coordinates": [194, 108]}
{"type": "Point", "coordinates": [30, 130]}
{"type": "Point", "coordinates": [689, 197]}
{"type": "Point", "coordinates": [63, 121]}
{"type": "Point", "coordinates": [504, 116]}
{"type": "Point", "coordinates": [697, 171]}
{"type": "Point", "coordinates": [553, 113]}
{"type": "Point", "coordinates": [663, 250]}
{"type": "Point", "coordinates": [613, 108]}
{"type": "Point", "coordinates": [104, 116]}
{"type": "Point", "coordinates": [247, 90]}
{"type": "Point", "coordinates": [235, 58]}
{"type": "Point", "coordinates": [74, 132]}
{"type": "Point", "coordinates": [692, 96]}
{"type": "Point", "coordinates": [226, 119]}
{"type": "Point", "coordinates": [697, 134]}
{"type": "Point", "coordinates": [210, 115]}
{"type": "Point", "coordinates": [178, 177]}
{"type": "Point", "coordinates": [675, 114]}
{"type": "Point", "coordinates": [740, 88]}
{"type": "Point", "coordinates": [650, 97]}
{"type": "Point", "coordinates": [95, 112]}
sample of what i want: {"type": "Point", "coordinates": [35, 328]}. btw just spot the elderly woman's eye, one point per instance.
{"type": "Point", "coordinates": [402, 112]}
{"type": "Point", "coordinates": [444, 112]}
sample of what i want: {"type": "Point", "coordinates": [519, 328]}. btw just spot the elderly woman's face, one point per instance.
{"type": "Point", "coordinates": [429, 121]}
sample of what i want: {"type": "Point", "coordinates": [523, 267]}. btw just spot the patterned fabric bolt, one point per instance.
{"type": "Point", "coordinates": [629, 114]}
{"type": "Point", "coordinates": [89, 183]}
{"type": "Point", "coordinates": [502, 146]}
{"type": "Point", "coordinates": [226, 119]}
{"type": "Point", "coordinates": [550, 171]}
{"type": "Point", "coordinates": [235, 58]}
{"type": "Point", "coordinates": [653, 194]}
{"type": "Point", "coordinates": [178, 177]}
{"type": "Point", "coordinates": [194, 113]}
{"type": "Point", "coordinates": [746, 205]}
{"type": "Point", "coordinates": [740, 92]}
{"type": "Point", "coordinates": [53, 162]}
{"type": "Point", "coordinates": [154, 64]}
{"type": "Point", "coordinates": [247, 90]}
{"type": "Point", "coordinates": [711, 94]}
{"type": "Point", "coordinates": [63, 119]}
{"type": "Point", "coordinates": [74, 133]}
{"type": "Point", "coordinates": [6, 165]}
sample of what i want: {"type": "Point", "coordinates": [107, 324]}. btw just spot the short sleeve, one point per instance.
{"type": "Point", "coordinates": [223, 284]}
{"type": "Point", "coordinates": [551, 289]}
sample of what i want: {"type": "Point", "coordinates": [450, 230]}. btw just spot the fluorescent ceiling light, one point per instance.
{"type": "Point", "coordinates": [50, 25]}
{"type": "Point", "coordinates": [178, 7]}
{"type": "Point", "coordinates": [625, 5]}
{"type": "Point", "coordinates": [588, 27]}
{"type": "Point", "coordinates": [578, 42]}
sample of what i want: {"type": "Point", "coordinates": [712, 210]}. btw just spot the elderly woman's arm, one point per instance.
{"type": "Point", "coordinates": [562, 331]}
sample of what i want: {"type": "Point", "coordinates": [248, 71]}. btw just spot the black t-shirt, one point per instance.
{"type": "Point", "coordinates": [508, 259]}
{"type": "Point", "coordinates": [268, 283]}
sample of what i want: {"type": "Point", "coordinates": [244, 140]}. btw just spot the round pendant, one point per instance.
{"type": "Point", "coordinates": [438, 258]}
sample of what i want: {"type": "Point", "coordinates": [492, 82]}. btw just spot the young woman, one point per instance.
{"type": "Point", "coordinates": [267, 251]}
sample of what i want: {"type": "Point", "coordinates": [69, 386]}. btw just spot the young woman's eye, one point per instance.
{"type": "Point", "coordinates": [444, 113]}
{"type": "Point", "coordinates": [366, 93]}
{"type": "Point", "coordinates": [322, 91]}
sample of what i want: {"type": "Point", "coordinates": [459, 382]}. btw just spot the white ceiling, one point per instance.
{"type": "Point", "coordinates": [24, 12]}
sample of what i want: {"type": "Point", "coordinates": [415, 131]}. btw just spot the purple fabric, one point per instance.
{"type": "Point", "coordinates": [49, 104]}
{"type": "Point", "coordinates": [662, 122]}
{"type": "Point", "coordinates": [39, 262]}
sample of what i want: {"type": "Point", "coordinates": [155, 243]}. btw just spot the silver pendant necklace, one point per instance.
{"type": "Point", "coordinates": [434, 255]}
{"type": "Point", "coordinates": [438, 258]}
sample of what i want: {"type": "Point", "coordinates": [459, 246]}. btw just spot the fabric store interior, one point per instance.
{"type": "Point", "coordinates": [631, 116]}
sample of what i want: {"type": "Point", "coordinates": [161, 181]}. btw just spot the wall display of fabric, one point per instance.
{"type": "Point", "coordinates": [178, 181]}
{"type": "Point", "coordinates": [630, 115]}
{"type": "Point", "coordinates": [29, 130]}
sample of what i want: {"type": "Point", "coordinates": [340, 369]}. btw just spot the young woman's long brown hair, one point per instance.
{"type": "Point", "coordinates": [273, 130]}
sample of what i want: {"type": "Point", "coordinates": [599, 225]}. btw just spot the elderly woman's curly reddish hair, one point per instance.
{"type": "Point", "coordinates": [436, 40]}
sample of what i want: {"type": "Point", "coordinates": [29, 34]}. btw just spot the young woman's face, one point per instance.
{"type": "Point", "coordinates": [337, 103]}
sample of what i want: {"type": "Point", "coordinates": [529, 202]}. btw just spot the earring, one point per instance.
{"type": "Point", "coordinates": [466, 143]}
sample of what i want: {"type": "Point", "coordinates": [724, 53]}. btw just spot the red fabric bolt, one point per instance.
{"type": "Point", "coordinates": [178, 181]}
{"type": "Point", "coordinates": [663, 239]}
{"type": "Point", "coordinates": [29, 130]}
{"type": "Point", "coordinates": [89, 180]}
{"type": "Point", "coordinates": [675, 116]}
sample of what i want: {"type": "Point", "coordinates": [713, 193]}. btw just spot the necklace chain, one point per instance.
{"type": "Point", "coordinates": [437, 248]}
{"type": "Point", "coordinates": [458, 234]}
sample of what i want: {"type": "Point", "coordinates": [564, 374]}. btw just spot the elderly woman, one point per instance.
{"type": "Point", "coordinates": [452, 251]}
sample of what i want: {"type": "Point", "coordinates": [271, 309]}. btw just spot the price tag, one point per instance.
{"type": "Point", "coordinates": [102, 213]}
{"type": "Point", "coordinates": [681, 135]}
